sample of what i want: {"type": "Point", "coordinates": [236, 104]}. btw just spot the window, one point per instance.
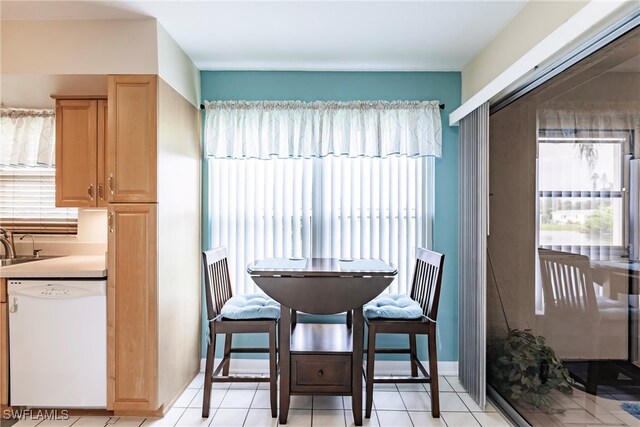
{"type": "Point", "coordinates": [27, 174]}
{"type": "Point", "coordinates": [321, 179]}
{"type": "Point", "coordinates": [582, 184]}
{"type": "Point", "coordinates": [583, 194]}
{"type": "Point", "coordinates": [324, 207]}
{"type": "Point", "coordinates": [27, 202]}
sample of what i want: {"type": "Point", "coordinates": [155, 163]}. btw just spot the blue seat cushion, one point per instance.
{"type": "Point", "coordinates": [250, 306]}
{"type": "Point", "coordinates": [392, 306]}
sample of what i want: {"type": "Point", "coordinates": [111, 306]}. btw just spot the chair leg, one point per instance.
{"type": "Point", "coordinates": [208, 372]}
{"type": "Point", "coordinates": [433, 373]}
{"type": "Point", "coordinates": [371, 356]}
{"type": "Point", "coordinates": [591, 384]}
{"type": "Point", "coordinates": [227, 352]}
{"type": "Point", "coordinates": [273, 372]}
{"type": "Point", "coordinates": [414, 355]}
{"type": "Point", "coordinates": [349, 318]}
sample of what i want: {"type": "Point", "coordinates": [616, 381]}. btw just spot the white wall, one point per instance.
{"type": "Point", "coordinates": [79, 47]}
{"type": "Point", "coordinates": [35, 90]}
{"type": "Point", "coordinates": [537, 36]}
{"type": "Point", "coordinates": [532, 24]}
{"type": "Point", "coordinates": [90, 240]}
{"type": "Point", "coordinates": [177, 69]}
{"type": "Point", "coordinates": [96, 47]}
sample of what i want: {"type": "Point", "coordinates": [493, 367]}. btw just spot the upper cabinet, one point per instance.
{"type": "Point", "coordinates": [77, 152]}
{"type": "Point", "coordinates": [132, 139]}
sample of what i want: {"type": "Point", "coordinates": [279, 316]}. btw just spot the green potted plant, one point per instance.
{"type": "Point", "coordinates": [523, 368]}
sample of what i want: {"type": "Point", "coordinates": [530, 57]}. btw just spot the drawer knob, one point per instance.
{"type": "Point", "coordinates": [320, 373]}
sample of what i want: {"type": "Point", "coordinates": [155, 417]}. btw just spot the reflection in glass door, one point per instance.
{"type": "Point", "coordinates": [564, 271]}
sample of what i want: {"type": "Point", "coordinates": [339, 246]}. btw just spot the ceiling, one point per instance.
{"type": "Point", "coordinates": [392, 35]}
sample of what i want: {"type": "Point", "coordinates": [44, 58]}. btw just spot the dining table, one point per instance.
{"type": "Point", "coordinates": [321, 358]}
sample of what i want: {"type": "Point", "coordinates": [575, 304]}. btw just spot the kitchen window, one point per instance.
{"type": "Point", "coordinates": [28, 202]}
{"type": "Point", "coordinates": [27, 174]}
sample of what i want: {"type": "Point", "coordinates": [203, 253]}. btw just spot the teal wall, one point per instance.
{"type": "Point", "coordinates": [350, 86]}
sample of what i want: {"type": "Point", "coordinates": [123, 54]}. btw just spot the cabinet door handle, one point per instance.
{"type": "Point", "coordinates": [110, 222]}
{"type": "Point", "coordinates": [101, 191]}
{"type": "Point", "coordinates": [111, 183]}
{"type": "Point", "coordinates": [14, 306]}
{"type": "Point", "coordinates": [90, 192]}
{"type": "Point", "coordinates": [320, 373]}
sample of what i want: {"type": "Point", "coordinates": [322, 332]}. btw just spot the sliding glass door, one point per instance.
{"type": "Point", "coordinates": [564, 269]}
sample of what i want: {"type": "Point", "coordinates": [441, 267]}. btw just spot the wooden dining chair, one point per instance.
{"type": "Point", "coordinates": [419, 318]}
{"type": "Point", "coordinates": [219, 293]}
{"type": "Point", "coordinates": [578, 324]}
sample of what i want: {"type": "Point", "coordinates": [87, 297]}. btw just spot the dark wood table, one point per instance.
{"type": "Point", "coordinates": [321, 359]}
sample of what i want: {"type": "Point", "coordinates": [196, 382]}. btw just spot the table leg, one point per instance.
{"type": "Point", "coordinates": [356, 383]}
{"type": "Point", "coordinates": [285, 361]}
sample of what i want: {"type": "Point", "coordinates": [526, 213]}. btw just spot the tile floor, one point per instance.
{"type": "Point", "coordinates": [581, 410]}
{"type": "Point", "coordinates": [248, 405]}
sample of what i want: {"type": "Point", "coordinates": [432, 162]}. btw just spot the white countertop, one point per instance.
{"type": "Point", "coordinates": [74, 266]}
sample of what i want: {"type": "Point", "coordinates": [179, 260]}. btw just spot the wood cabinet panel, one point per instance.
{"type": "Point", "coordinates": [3, 290]}
{"type": "Point", "coordinates": [133, 307]}
{"type": "Point", "coordinates": [76, 153]}
{"type": "Point", "coordinates": [132, 139]}
{"type": "Point", "coordinates": [102, 153]}
{"type": "Point", "coordinates": [4, 345]}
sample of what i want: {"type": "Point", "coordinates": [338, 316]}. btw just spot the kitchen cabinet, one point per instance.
{"type": "Point", "coordinates": [153, 295]}
{"type": "Point", "coordinates": [77, 151]}
{"type": "Point", "coordinates": [132, 311]}
{"type": "Point", "coordinates": [131, 307]}
{"type": "Point", "coordinates": [132, 138]}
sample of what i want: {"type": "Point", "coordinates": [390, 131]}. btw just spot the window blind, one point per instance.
{"type": "Point", "coordinates": [332, 207]}
{"type": "Point", "coordinates": [473, 162]}
{"type": "Point", "coordinates": [28, 202]}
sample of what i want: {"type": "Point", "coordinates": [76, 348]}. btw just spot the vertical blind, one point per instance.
{"type": "Point", "coordinates": [473, 230]}
{"type": "Point", "coordinates": [326, 207]}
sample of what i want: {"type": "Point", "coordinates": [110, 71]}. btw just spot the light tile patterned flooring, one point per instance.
{"type": "Point", "coordinates": [581, 410]}
{"type": "Point", "coordinates": [247, 404]}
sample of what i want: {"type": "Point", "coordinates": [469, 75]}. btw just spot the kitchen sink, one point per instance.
{"type": "Point", "coordinates": [23, 259]}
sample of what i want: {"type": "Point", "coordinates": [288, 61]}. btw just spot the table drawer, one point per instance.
{"type": "Point", "coordinates": [321, 373]}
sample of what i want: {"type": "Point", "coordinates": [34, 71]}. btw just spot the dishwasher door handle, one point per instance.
{"type": "Point", "coordinates": [14, 307]}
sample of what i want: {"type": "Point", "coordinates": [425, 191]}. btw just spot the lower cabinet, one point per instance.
{"type": "Point", "coordinates": [132, 309]}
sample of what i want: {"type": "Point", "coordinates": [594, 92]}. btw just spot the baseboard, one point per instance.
{"type": "Point", "coordinates": [383, 367]}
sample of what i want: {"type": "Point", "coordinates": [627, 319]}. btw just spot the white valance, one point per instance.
{"type": "Point", "coordinates": [293, 129]}
{"type": "Point", "coordinates": [596, 117]}
{"type": "Point", "coordinates": [27, 137]}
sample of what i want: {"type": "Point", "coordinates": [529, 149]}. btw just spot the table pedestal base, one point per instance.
{"type": "Point", "coordinates": [321, 359]}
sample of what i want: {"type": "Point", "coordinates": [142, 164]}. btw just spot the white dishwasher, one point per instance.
{"type": "Point", "coordinates": [58, 343]}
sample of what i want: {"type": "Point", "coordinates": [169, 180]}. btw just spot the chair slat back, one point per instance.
{"type": "Point", "coordinates": [217, 280]}
{"type": "Point", "coordinates": [427, 280]}
{"type": "Point", "coordinates": [567, 284]}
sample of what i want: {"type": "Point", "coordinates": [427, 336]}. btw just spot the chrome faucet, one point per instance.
{"type": "Point", "coordinates": [6, 238]}
{"type": "Point", "coordinates": [34, 252]}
